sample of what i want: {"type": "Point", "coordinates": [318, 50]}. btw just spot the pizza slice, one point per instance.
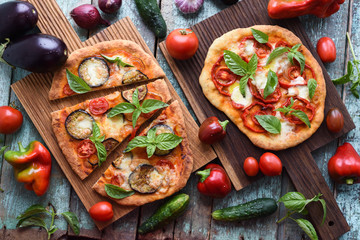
{"type": "Point", "coordinates": [88, 132]}
{"type": "Point", "coordinates": [135, 179]}
{"type": "Point", "coordinates": [103, 65]}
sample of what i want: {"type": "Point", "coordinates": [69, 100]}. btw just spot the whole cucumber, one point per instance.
{"type": "Point", "coordinates": [150, 13]}
{"type": "Point", "coordinates": [167, 212]}
{"type": "Point", "coordinates": [260, 207]}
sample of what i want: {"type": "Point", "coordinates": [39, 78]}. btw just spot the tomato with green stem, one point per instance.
{"type": "Point", "coordinates": [182, 44]}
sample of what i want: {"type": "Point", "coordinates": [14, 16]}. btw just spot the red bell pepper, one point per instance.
{"type": "Point", "coordinates": [279, 9]}
{"type": "Point", "coordinates": [32, 166]}
{"type": "Point", "coordinates": [344, 166]}
{"type": "Point", "coordinates": [214, 181]}
{"type": "Point", "coordinates": [212, 130]}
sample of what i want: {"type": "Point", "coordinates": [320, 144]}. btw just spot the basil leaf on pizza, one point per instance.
{"type": "Point", "coordinates": [276, 53]}
{"type": "Point", "coordinates": [312, 84]}
{"type": "Point", "coordinates": [97, 139]}
{"type": "Point", "coordinates": [139, 141]}
{"type": "Point", "coordinates": [151, 105]}
{"type": "Point", "coordinates": [235, 63]}
{"type": "Point", "coordinates": [296, 113]}
{"type": "Point", "coordinates": [167, 141]}
{"type": "Point", "coordinates": [76, 83]}
{"type": "Point", "coordinates": [121, 108]}
{"type": "Point", "coordinates": [116, 60]}
{"type": "Point", "coordinates": [270, 123]}
{"type": "Point", "coordinates": [117, 192]}
{"type": "Point", "coordinates": [260, 36]}
{"type": "Point", "coordinates": [271, 83]}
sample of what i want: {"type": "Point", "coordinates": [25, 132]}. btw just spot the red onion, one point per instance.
{"type": "Point", "coordinates": [87, 16]}
{"type": "Point", "coordinates": [189, 6]}
{"type": "Point", "coordinates": [109, 6]}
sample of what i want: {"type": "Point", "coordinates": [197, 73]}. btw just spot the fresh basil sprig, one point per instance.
{"type": "Point", "coordinates": [293, 53]}
{"type": "Point", "coordinates": [260, 36]}
{"type": "Point", "coordinates": [76, 83]}
{"type": "Point", "coordinates": [240, 67]}
{"type": "Point", "coordinates": [97, 139]}
{"type": "Point", "coordinates": [135, 108]}
{"type": "Point", "coordinates": [271, 83]}
{"type": "Point", "coordinates": [312, 85]}
{"type": "Point", "coordinates": [297, 113]}
{"type": "Point", "coordinates": [270, 123]}
{"type": "Point", "coordinates": [116, 60]}
{"type": "Point", "coordinates": [351, 75]}
{"type": "Point", "coordinates": [34, 217]}
{"type": "Point", "coordinates": [117, 192]}
{"type": "Point", "coordinates": [163, 141]}
{"type": "Point", "coordinates": [296, 203]}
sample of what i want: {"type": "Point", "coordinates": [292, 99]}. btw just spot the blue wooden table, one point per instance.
{"type": "Point", "coordinates": [196, 223]}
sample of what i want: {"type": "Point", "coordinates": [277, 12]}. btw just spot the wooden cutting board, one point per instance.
{"type": "Point", "coordinates": [32, 92]}
{"type": "Point", "coordinates": [233, 150]}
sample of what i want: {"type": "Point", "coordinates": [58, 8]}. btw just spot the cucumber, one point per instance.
{"type": "Point", "coordinates": [150, 12]}
{"type": "Point", "coordinates": [260, 207]}
{"type": "Point", "coordinates": [167, 212]}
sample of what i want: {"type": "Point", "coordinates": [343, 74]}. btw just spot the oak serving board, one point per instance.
{"type": "Point", "coordinates": [233, 150]}
{"type": "Point", "coordinates": [32, 92]}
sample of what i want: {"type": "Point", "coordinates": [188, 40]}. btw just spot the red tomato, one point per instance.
{"type": "Point", "coordinates": [334, 120]}
{"type": "Point", "coordinates": [251, 166]}
{"type": "Point", "coordinates": [182, 43]}
{"type": "Point", "coordinates": [165, 163]}
{"type": "Point", "coordinates": [270, 164]}
{"type": "Point", "coordinates": [98, 106]}
{"type": "Point", "coordinates": [326, 49]}
{"type": "Point", "coordinates": [86, 148]}
{"type": "Point", "coordinates": [67, 90]}
{"type": "Point", "coordinates": [11, 120]}
{"type": "Point", "coordinates": [101, 211]}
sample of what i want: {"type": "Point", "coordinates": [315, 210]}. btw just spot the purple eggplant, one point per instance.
{"type": "Point", "coordinates": [36, 53]}
{"type": "Point", "coordinates": [16, 18]}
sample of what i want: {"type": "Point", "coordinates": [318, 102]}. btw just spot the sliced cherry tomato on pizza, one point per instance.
{"type": "Point", "coordinates": [117, 179]}
{"type": "Point", "coordinates": [256, 108]}
{"type": "Point", "coordinates": [133, 133]}
{"type": "Point", "coordinates": [282, 44]}
{"type": "Point", "coordinates": [237, 105]}
{"type": "Point", "coordinates": [67, 90]}
{"type": "Point", "coordinates": [98, 106]}
{"type": "Point", "coordinates": [302, 105]}
{"type": "Point", "coordinates": [164, 163]}
{"type": "Point", "coordinates": [219, 87]}
{"type": "Point", "coordinates": [224, 76]}
{"type": "Point", "coordinates": [86, 148]}
{"type": "Point", "coordinates": [272, 98]}
{"type": "Point", "coordinates": [262, 50]}
{"type": "Point", "coordinates": [288, 78]}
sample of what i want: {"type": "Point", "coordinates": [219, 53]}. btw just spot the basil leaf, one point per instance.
{"type": "Point", "coordinates": [260, 36]}
{"type": "Point", "coordinates": [121, 108]}
{"type": "Point", "coordinates": [252, 65]}
{"type": "Point", "coordinates": [294, 201]}
{"type": "Point", "coordinates": [302, 116]}
{"type": "Point", "coordinates": [350, 71]}
{"type": "Point", "coordinates": [296, 47]}
{"type": "Point", "coordinates": [291, 57]}
{"type": "Point", "coordinates": [323, 203]}
{"type": "Point", "coordinates": [301, 60]}
{"type": "Point", "coordinates": [101, 152]}
{"type": "Point", "coordinates": [116, 60]}
{"type": "Point", "coordinates": [31, 222]}
{"type": "Point", "coordinates": [291, 103]}
{"type": "Point", "coordinates": [76, 83]}
{"type": "Point", "coordinates": [150, 149]}
{"type": "Point", "coordinates": [52, 230]}
{"type": "Point", "coordinates": [353, 89]}
{"type": "Point", "coordinates": [269, 123]}
{"type": "Point", "coordinates": [167, 141]}
{"type": "Point", "coordinates": [96, 130]}
{"type": "Point", "coordinates": [271, 83]}
{"type": "Point", "coordinates": [283, 110]}
{"type": "Point", "coordinates": [135, 116]}
{"type": "Point", "coordinates": [139, 141]}
{"type": "Point", "coordinates": [312, 84]}
{"type": "Point", "coordinates": [135, 98]}
{"type": "Point", "coordinates": [235, 63]}
{"type": "Point", "coordinates": [117, 192]}
{"type": "Point", "coordinates": [151, 105]}
{"type": "Point", "coordinates": [276, 53]}
{"type": "Point", "coordinates": [151, 135]}
{"type": "Point", "coordinates": [242, 84]}
{"type": "Point", "coordinates": [32, 210]}
{"type": "Point", "coordinates": [307, 227]}
{"type": "Point", "coordinates": [73, 221]}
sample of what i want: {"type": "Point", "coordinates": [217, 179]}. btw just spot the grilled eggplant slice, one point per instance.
{"type": "Point", "coordinates": [110, 144]}
{"type": "Point", "coordinates": [79, 124]}
{"type": "Point", "coordinates": [94, 71]}
{"type": "Point", "coordinates": [145, 179]}
{"type": "Point", "coordinates": [127, 158]}
{"type": "Point", "coordinates": [127, 95]}
{"type": "Point", "coordinates": [162, 128]}
{"type": "Point", "coordinates": [133, 76]}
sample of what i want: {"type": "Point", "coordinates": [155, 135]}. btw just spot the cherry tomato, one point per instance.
{"type": "Point", "coordinates": [164, 163]}
{"type": "Point", "coordinates": [182, 43]}
{"type": "Point", "coordinates": [101, 211]}
{"type": "Point", "coordinates": [334, 120]}
{"type": "Point", "coordinates": [86, 148]}
{"type": "Point", "coordinates": [67, 90]}
{"type": "Point", "coordinates": [11, 120]}
{"type": "Point", "coordinates": [326, 49]}
{"type": "Point", "coordinates": [251, 166]}
{"type": "Point", "coordinates": [98, 106]}
{"type": "Point", "coordinates": [270, 164]}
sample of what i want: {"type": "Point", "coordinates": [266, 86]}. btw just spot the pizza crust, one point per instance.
{"type": "Point", "coordinates": [152, 69]}
{"type": "Point", "coordinates": [220, 102]}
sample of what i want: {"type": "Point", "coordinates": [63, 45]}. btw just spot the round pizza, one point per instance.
{"type": "Point", "coordinates": [267, 83]}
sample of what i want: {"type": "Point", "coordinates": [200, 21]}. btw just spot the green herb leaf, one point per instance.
{"type": "Point", "coordinates": [301, 60]}
{"type": "Point", "coordinates": [121, 108]}
{"type": "Point", "coordinates": [76, 83]}
{"type": "Point", "coordinates": [117, 192]}
{"type": "Point", "coordinates": [269, 123]}
{"type": "Point", "coordinates": [307, 227]}
{"type": "Point", "coordinates": [167, 141]}
{"type": "Point", "coordinates": [312, 84]}
{"type": "Point", "coordinates": [73, 221]}
{"type": "Point", "coordinates": [260, 36]}
{"type": "Point", "coordinates": [151, 135]}
{"type": "Point", "coordinates": [291, 57]}
{"type": "Point", "coordinates": [235, 63]}
{"type": "Point", "coordinates": [276, 53]}
{"type": "Point", "coordinates": [52, 230]}
{"type": "Point", "coordinates": [302, 116]}
{"type": "Point", "coordinates": [96, 130]}
{"type": "Point", "coordinates": [116, 60]}
{"type": "Point", "coordinates": [323, 203]}
{"type": "Point", "coordinates": [101, 152]}
{"type": "Point", "coordinates": [31, 222]}
{"type": "Point", "coordinates": [135, 98]}
{"type": "Point", "coordinates": [150, 150]}
{"type": "Point", "coordinates": [271, 83]}
{"type": "Point", "coordinates": [135, 116]}
{"type": "Point", "coordinates": [294, 201]}
{"type": "Point", "coordinates": [342, 80]}
{"type": "Point", "coordinates": [151, 105]}
{"type": "Point", "coordinates": [139, 141]}
{"type": "Point", "coordinates": [32, 210]}
{"type": "Point", "coordinates": [296, 47]}
{"type": "Point", "coordinates": [242, 84]}
{"type": "Point", "coordinates": [252, 65]}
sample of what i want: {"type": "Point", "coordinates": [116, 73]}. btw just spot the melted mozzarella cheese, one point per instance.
{"type": "Point", "coordinates": [238, 98]}
{"type": "Point", "coordinates": [249, 47]}
{"type": "Point", "coordinates": [260, 80]}
{"type": "Point", "coordinates": [125, 169]}
{"type": "Point", "coordinates": [112, 126]}
{"type": "Point", "coordinates": [85, 124]}
{"type": "Point", "coordinates": [154, 179]}
{"type": "Point", "coordinates": [286, 128]}
{"type": "Point", "coordinates": [301, 91]}
{"type": "Point", "coordinates": [280, 64]}
{"type": "Point", "coordinates": [298, 80]}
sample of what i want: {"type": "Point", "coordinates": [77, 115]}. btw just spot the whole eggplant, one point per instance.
{"type": "Point", "coordinates": [16, 18]}
{"type": "Point", "coordinates": [36, 53]}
